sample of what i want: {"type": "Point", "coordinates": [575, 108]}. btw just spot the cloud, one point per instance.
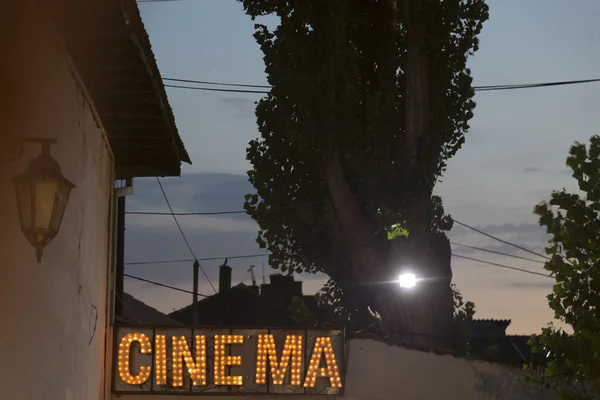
{"type": "Point", "coordinates": [243, 106]}
{"type": "Point", "coordinates": [500, 229]}
{"type": "Point", "coordinates": [533, 285]}
{"type": "Point", "coordinates": [530, 170]}
{"type": "Point", "coordinates": [193, 223]}
{"type": "Point", "coordinates": [207, 192]}
{"type": "Point", "coordinates": [502, 248]}
{"type": "Point", "coordinates": [199, 192]}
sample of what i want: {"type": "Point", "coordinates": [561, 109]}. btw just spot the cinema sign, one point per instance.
{"type": "Point", "coordinates": [227, 360]}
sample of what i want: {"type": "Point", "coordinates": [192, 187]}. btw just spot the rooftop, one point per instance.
{"type": "Point", "coordinates": [110, 47]}
{"type": "Point", "coordinates": [138, 312]}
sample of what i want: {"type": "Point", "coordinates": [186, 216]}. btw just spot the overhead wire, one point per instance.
{"type": "Point", "coordinates": [475, 88]}
{"type": "Point", "coordinates": [182, 233]}
{"type": "Point", "coordinates": [267, 254]}
{"type": "Point", "coordinates": [288, 207]}
{"type": "Point", "coordinates": [500, 240]}
{"type": "Point", "coordinates": [501, 265]}
{"type": "Point", "coordinates": [216, 90]}
{"type": "Point", "coordinates": [163, 285]}
{"type": "Point", "coordinates": [305, 204]}
{"type": "Point", "coordinates": [217, 83]}
{"type": "Point", "coordinates": [534, 85]}
{"type": "Point", "coordinates": [496, 252]}
{"type": "Point", "coordinates": [199, 259]}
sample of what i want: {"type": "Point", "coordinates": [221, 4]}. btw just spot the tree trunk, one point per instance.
{"type": "Point", "coordinates": [369, 278]}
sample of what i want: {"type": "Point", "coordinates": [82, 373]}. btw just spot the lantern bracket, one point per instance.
{"type": "Point", "coordinates": [16, 147]}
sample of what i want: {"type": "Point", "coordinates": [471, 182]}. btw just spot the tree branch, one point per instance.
{"type": "Point", "coordinates": [355, 227]}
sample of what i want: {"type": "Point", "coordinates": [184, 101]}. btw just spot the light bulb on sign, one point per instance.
{"type": "Point", "coordinates": [407, 280]}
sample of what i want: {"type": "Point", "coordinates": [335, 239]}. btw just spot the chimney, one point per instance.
{"type": "Point", "coordinates": [224, 278]}
{"type": "Point", "coordinates": [281, 290]}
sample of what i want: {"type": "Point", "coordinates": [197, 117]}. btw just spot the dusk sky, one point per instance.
{"type": "Point", "coordinates": [513, 158]}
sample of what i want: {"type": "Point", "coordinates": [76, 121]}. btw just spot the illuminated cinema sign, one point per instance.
{"type": "Point", "coordinates": [227, 360]}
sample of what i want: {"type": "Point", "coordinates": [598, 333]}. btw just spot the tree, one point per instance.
{"type": "Point", "coordinates": [573, 222]}
{"type": "Point", "coordinates": [369, 100]}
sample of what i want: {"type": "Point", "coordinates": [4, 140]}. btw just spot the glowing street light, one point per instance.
{"type": "Point", "coordinates": [407, 280]}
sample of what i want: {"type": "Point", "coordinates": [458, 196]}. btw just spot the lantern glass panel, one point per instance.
{"type": "Point", "coordinates": [45, 199]}
{"type": "Point", "coordinates": [24, 204]}
{"type": "Point", "coordinates": [62, 197]}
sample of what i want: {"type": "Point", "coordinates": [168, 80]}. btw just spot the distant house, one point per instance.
{"type": "Point", "coordinates": [488, 339]}
{"type": "Point", "coordinates": [138, 312]}
{"type": "Point", "coordinates": [279, 303]}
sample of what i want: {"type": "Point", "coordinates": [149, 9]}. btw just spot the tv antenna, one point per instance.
{"type": "Point", "coordinates": [251, 270]}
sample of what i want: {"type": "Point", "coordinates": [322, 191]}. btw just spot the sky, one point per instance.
{"type": "Point", "coordinates": [513, 158]}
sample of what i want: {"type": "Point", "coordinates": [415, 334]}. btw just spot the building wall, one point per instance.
{"type": "Point", "coordinates": [377, 371]}
{"type": "Point", "coordinates": [221, 397]}
{"type": "Point", "coordinates": [53, 314]}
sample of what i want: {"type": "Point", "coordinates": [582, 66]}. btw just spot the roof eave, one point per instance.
{"type": "Point", "coordinates": [111, 50]}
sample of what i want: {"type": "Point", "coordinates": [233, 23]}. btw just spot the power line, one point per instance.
{"type": "Point", "coordinates": [199, 259]}
{"type": "Point", "coordinates": [184, 213]}
{"type": "Point", "coordinates": [217, 83]}
{"type": "Point", "coordinates": [163, 285]}
{"type": "Point", "coordinates": [181, 231]}
{"type": "Point", "coordinates": [223, 212]}
{"type": "Point", "coordinates": [502, 265]}
{"type": "Point", "coordinates": [455, 255]}
{"type": "Point", "coordinates": [475, 88]}
{"type": "Point", "coordinates": [300, 205]}
{"type": "Point", "coordinates": [497, 252]}
{"type": "Point", "coordinates": [267, 254]}
{"type": "Point", "coordinates": [502, 241]}
{"type": "Point", "coordinates": [216, 90]}
{"type": "Point", "coordinates": [534, 85]}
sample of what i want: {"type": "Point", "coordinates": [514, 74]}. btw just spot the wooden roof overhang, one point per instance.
{"type": "Point", "coordinates": [108, 44]}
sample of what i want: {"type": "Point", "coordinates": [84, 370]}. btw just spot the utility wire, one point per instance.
{"type": "Point", "coordinates": [267, 254]}
{"type": "Point", "coordinates": [199, 259]}
{"type": "Point", "coordinates": [163, 285]}
{"type": "Point", "coordinates": [305, 204]}
{"type": "Point", "coordinates": [497, 252]}
{"type": "Point", "coordinates": [501, 265]}
{"type": "Point", "coordinates": [184, 213]}
{"type": "Point", "coordinates": [216, 90]}
{"type": "Point", "coordinates": [475, 88]}
{"type": "Point", "coordinates": [534, 85]}
{"type": "Point", "coordinates": [217, 83]}
{"type": "Point", "coordinates": [502, 241]}
{"type": "Point", "coordinates": [291, 206]}
{"type": "Point", "coordinates": [183, 234]}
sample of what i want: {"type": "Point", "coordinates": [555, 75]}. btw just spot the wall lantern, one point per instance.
{"type": "Point", "coordinates": [42, 196]}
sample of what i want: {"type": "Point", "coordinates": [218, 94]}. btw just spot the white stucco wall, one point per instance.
{"type": "Point", "coordinates": [53, 314]}
{"type": "Point", "coordinates": [377, 371]}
